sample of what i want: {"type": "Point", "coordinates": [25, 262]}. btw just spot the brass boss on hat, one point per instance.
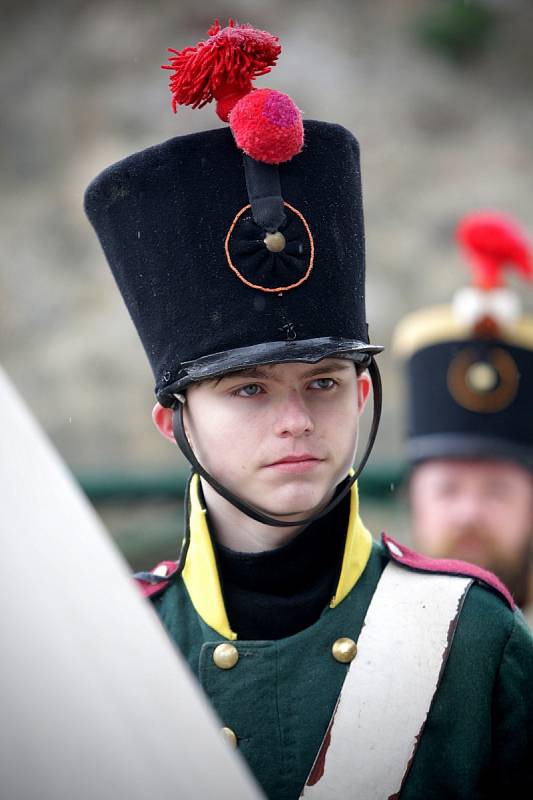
{"type": "Point", "coordinates": [283, 258]}
{"type": "Point", "coordinates": [484, 386]}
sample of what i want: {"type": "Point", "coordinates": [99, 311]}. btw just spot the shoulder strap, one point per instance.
{"type": "Point", "coordinates": [389, 688]}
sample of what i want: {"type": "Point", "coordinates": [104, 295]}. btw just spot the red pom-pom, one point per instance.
{"type": "Point", "coordinates": [267, 125]}
{"type": "Point", "coordinates": [493, 241]}
{"type": "Point", "coordinates": [223, 65]}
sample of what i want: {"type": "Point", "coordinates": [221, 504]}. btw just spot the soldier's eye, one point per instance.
{"type": "Point", "coordinates": [250, 390]}
{"type": "Point", "coordinates": [322, 383]}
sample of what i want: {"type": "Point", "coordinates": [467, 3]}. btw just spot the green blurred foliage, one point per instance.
{"type": "Point", "coordinates": [459, 30]}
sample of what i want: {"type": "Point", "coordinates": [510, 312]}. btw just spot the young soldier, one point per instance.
{"type": "Point", "coordinates": [327, 656]}
{"type": "Point", "coordinates": [470, 428]}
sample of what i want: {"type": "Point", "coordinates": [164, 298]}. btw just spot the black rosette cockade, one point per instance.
{"type": "Point", "coordinates": [259, 265]}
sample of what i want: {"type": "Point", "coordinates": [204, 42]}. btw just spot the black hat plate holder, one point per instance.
{"type": "Point", "coordinates": [264, 192]}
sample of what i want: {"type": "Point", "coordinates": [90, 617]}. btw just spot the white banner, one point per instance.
{"type": "Point", "coordinates": [96, 704]}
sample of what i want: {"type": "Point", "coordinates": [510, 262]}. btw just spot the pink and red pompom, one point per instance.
{"type": "Point", "coordinates": [266, 124]}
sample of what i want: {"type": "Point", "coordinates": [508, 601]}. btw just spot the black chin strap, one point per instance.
{"type": "Point", "coordinates": [256, 513]}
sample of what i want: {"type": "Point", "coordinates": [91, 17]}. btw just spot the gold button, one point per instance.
{"type": "Point", "coordinates": [225, 656]}
{"type": "Point", "coordinates": [229, 736]}
{"type": "Point", "coordinates": [344, 650]}
{"type": "Point", "coordinates": [275, 242]}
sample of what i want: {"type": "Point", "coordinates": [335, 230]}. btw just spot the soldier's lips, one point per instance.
{"type": "Point", "coordinates": [295, 463]}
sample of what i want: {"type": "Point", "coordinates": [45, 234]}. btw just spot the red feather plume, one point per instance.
{"type": "Point", "coordinates": [492, 242]}
{"type": "Point", "coordinates": [223, 65]}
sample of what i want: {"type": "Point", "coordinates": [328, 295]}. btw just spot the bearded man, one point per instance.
{"type": "Point", "coordinates": [469, 369]}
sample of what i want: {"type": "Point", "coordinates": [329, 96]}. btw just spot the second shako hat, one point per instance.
{"type": "Point", "coordinates": [469, 364]}
{"type": "Point", "coordinates": [238, 246]}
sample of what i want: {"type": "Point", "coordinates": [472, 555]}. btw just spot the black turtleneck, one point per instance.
{"type": "Point", "coordinates": [279, 592]}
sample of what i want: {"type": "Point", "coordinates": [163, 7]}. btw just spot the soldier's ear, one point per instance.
{"type": "Point", "coordinates": [162, 419]}
{"type": "Point", "coordinates": [363, 390]}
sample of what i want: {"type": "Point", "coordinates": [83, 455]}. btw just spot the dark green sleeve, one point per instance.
{"type": "Point", "coordinates": [512, 743]}
{"type": "Point", "coordinates": [477, 740]}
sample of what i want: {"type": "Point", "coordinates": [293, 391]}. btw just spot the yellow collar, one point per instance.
{"type": "Point", "coordinates": [200, 573]}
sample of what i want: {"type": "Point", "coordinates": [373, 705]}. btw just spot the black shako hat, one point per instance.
{"type": "Point", "coordinates": [226, 257]}
{"type": "Point", "coordinates": [204, 292]}
{"type": "Point", "coordinates": [469, 365]}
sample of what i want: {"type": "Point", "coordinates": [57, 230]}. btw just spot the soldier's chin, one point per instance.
{"type": "Point", "coordinates": [295, 506]}
{"type": "Point", "coordinates": [474, 547]}
{"type": "Point", "coordinates": [489, 557]}
{"type": "Point", "coordinates": [475, 552]}
{"type": "Point", "coordinates": [292, 513]}
{"type": "Point", "coordinates": [508, 567]}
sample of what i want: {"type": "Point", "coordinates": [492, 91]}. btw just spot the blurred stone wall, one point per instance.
{"type": "Point", "coordinates": [80, 87]}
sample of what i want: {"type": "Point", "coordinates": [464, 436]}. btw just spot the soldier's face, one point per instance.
{"type": "Point", "coordinates": [280, 436]}
{"type": "Point", "coordinates": [477, 511]}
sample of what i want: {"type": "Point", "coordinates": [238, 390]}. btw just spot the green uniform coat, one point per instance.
{"type": "Point", "coordinates": [280, 695]}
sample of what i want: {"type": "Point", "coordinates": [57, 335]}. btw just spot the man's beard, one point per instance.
{"type": "Point", "coordinates": [478, 546]}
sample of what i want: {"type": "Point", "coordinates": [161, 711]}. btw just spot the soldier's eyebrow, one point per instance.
{"type": "Point", "coordinates": [257, 372]}
{"type": "Point", "coordinates": [320, 369]}
{"type": "Point", "coordinates": [251, 372]}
